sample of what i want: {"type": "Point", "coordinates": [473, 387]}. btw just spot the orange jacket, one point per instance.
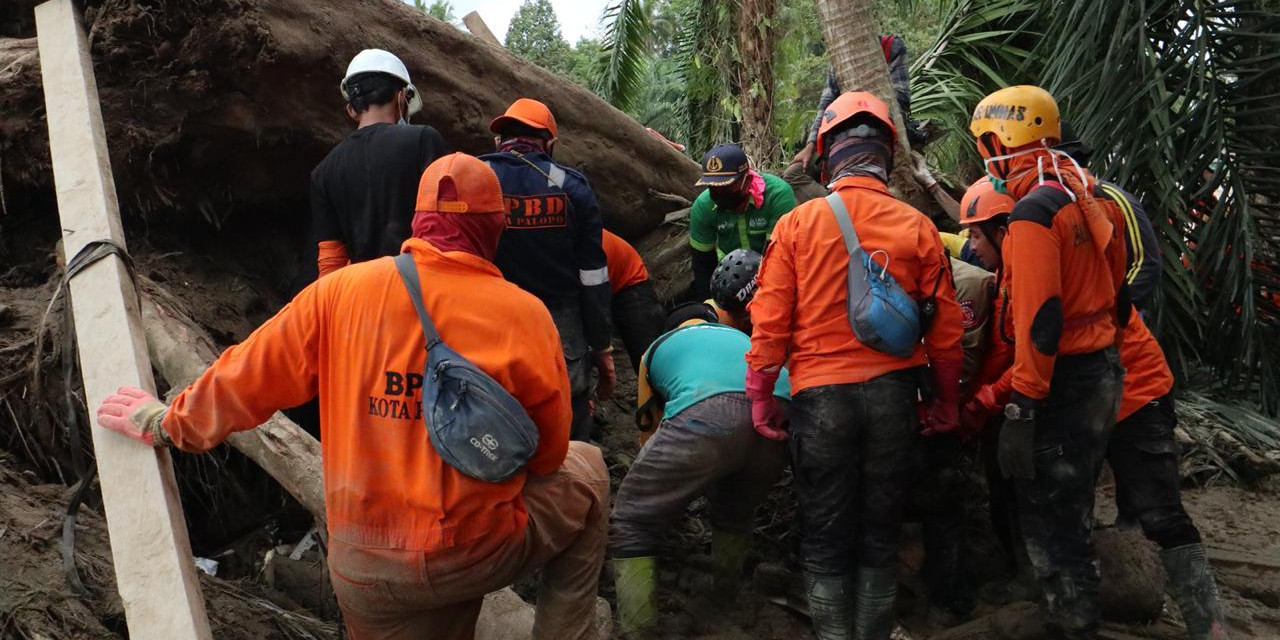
{"type": "Point", "coordinates": [1147, 375]}
{"type": "Point", "coordinates": [1146, 372]}
{"type": "Point", "coordinates": [1062, 289]}
{"type": "Point", "coordinates": [331, 255]}
{"type": "Point", "coordinates": [799, 314]}
{"type": "Point", "coordinates": [354, 338]}
{"type": "Point", "coordinates": [626, 267]}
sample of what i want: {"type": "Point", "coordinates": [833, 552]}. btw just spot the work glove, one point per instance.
{"type": "Point", "coordinates": [920, 169]}
{"type": "Point", "coordinates": [766, 415]}
{"type": "Point", "coordinates": [977, 411]}
{"type": "Point", "coordinates": [943, 413]}
{"type": "Point", "coordinates": [1016, 449]}
{"type": "Point", "coordinates": [606, 374]}
{"type": "Point", "coordinates": [136, 414]}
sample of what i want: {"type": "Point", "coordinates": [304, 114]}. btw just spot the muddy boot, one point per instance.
{"type": "Point", "coordinates": [1022, 587]}
{"type": "Point", "coordinates": [728, 555]}
{"type": "Point", "coordinates": [1195, 592]}
{"type": "Point", "coordinates": [830, 605]}
{"type": "Point", "coordinates": [634, 580]}
{"type": "Point", "coordinates": [874, 593]}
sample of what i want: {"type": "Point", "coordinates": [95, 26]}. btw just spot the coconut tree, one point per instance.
{"type": "Point", "coordinates": [853, 47]}
{"type": "Point", "coordinates": [755, 78]}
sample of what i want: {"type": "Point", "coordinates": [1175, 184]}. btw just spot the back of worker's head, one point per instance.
{"type": "Point", "coordinates": [526, 124]}
{"type": "Point", "coordinates": [1073, 146]}
{"type": "Point", "coordinates": [856, 137]}
{"type": "Point", "coordinates": [689, 313]}
{"type": "Point", "coordinates": [376, 77]}
{"type": "Point", "coordinates": [1014, 121]}
{"type": "Point", "coordinates": [460, 206]}
{"type": "Point", "coordinates": [733, 284]}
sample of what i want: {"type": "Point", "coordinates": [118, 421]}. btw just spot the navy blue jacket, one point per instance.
{"type": "Point", "coordinates": [552, 246]}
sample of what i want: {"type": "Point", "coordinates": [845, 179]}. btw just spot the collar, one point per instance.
{"type": "Point", "coordinates": [860, 182]}
{"type": "Point", "coordinates": [423, 249]}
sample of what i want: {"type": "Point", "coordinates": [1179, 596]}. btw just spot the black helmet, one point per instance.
{"type": "Point", "coordinates": [734, 282]}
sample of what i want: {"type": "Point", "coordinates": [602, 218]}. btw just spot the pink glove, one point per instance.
{"type": "Point", "coordinates": [136, 414]}
{"type": "Point", "coordinates": [943, 414]}
{"type": "Point", "coordinates": [766, 415]}
{"type": "Point", "coordinates": [985, 402]}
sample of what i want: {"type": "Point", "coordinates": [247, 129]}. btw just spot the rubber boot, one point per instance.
{"type": "Point", "coordinates": [1195, 591]}
{"type": "Point", "coordinates": [634, 583]}
{"type": "Point", "coordinates": [830, 605]}
{"type": "Point", "coordinates": [728, 555]}
{"type": "Point", "coordinates": [874, 593]}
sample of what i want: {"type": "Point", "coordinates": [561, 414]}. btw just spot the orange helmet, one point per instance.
{"type": "Point", "coordinates": [459, 183]}
{"type": "Point", "coordinates": [529, 112]}
{"type": "Point", "coordinates": [848, 105]}
{"type": "Point", "coordinates": [981, 202]}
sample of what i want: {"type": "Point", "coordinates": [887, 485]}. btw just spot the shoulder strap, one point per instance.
{"type": "Point", "coordinates": [841, 213]}
{"type": "Point", "coordinates": [409, 274]}
{"type": "Point", "coordinates": [554, 174]}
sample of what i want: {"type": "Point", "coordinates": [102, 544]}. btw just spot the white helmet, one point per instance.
{"type": "Point", "coordinates": [381, 61]}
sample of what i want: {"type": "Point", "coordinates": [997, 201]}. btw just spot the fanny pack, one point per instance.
{"type": "Point", "coordinates": [473, 422]}
{"type": "Point", "coordinates": [881, 313]}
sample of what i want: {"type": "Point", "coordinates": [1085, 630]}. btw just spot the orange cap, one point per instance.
{"type": "Point", "coordinates": [981, 202]}
{"type": "Point", "coordinates": [459, 183]}
{"type": "Point", "coordinates": [848, 105]}
{"type": "Point", "coordinates": [529, 112]}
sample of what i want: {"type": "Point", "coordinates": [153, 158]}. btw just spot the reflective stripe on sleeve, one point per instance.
{"type": "Point", "coordinates": [594, 277]}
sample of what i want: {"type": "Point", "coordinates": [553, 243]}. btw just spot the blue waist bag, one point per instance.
{"type": "Point", "coordinates": [881, 313]}
{"type": "Point", "coordinates": [474, 423]}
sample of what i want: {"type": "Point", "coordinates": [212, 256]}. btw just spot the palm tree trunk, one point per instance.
{"type": "Point", "coordinates": [755, 79]}
{"type": "Point", "coordinates": [853, 47]}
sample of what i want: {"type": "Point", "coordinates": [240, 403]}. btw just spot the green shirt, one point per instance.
{"type": "Point", "coordinates": [700, 361]}
{"type": "Point", "coordinates": [711, 227]}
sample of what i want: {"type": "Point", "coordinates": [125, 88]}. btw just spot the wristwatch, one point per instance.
{"type": "Point", "coordinates": [1015, 411]}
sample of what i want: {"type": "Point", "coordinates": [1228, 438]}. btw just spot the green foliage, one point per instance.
{"type": "Point", "coordinates": [534, 34]}
{"type": "Point", "coordinates": [627, 47]}
{"type": "Point", "coordinates": [438, 9]}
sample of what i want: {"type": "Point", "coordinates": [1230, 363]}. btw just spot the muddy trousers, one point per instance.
{"type": "Point", "coordinates": [1144, 458]}
{"type": "Point", "coordinates": [389, 594]}
{"type": "Point", "coordinates": [708, 449]}
{"type": "Point", "coordinates": [853, 452]}
{"type": "Point", "coordinates": [573, 340]}
{"type": "Point", "coordinates": [939, 500]}
{"type": "Point", "coordinates": [637, 319]}
{"type": "Point", "coordinates": [1055, 509]}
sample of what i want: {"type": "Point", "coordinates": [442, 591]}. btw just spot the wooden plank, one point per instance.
{"type": "Point", "coordinates": [477, 27]}
{"type": "Point", "coordinates": [155, 574]}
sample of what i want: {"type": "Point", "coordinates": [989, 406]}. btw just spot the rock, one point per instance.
{"type": "Point", "coordinates": [1132, 577]}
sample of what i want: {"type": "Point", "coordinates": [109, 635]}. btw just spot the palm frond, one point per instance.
{"type": "Point", "coordinates": [626, 50]}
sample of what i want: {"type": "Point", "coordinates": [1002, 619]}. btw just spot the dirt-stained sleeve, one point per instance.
{"type": "Point", "coordinates": [274, 368]}
{"type": "Point", "coordinates": [773, 308]}
{"type": "Point", "coordinates": [1036, 301]}
{"type": "Point", "coordinates": [942, 342]}
{"type": "Point", "coordinates": [542, 387]}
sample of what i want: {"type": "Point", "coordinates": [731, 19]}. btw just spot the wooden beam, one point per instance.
{"type": "Point", "coordinates": [477, 27]}
{"type": "Point", "coordinates": [155, 574]}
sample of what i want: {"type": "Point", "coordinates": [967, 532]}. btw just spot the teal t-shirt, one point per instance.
{"type": "Point", "coordinates": [711, 227]}
{"type": "Point", "coordinates": [700, 361]}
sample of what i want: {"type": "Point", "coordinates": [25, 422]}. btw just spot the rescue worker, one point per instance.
{"type": "Point", "coordinates": [396, 511]}
{"type": "Point", "coordinates": [737, 211]}
{"type": "Point", "coordinates": [1064, 265]}
{"type": "Point", "coordinates": [1142, 452]}
{"type": "Point", "coordinates": [553, 247]}
{"type": "Point", "coordinates": [733, 285]}
{"type": "Point", "coordinates": [1143, 273]}
{"type": "Point", "coordinates": [690, 389]}
{"type": "Point", "coordinates": [363, 192]}
{"type": "Point", "coordinates": [854, 428]}
{"type": "Point", "coordinates": [637, 314]}
{"type": "Point", "coordinates": [894, 49]}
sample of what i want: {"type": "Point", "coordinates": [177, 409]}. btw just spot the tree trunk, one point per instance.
{"type": "Point", "coordinates": [755, 79]}
{"type": "Point", "coordinates": [221, 108]}
{"type": "Point", "coordinates": [853, 47]}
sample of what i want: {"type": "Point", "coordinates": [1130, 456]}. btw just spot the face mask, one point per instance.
{"type": "Point", "coordinates": [730, 201]}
